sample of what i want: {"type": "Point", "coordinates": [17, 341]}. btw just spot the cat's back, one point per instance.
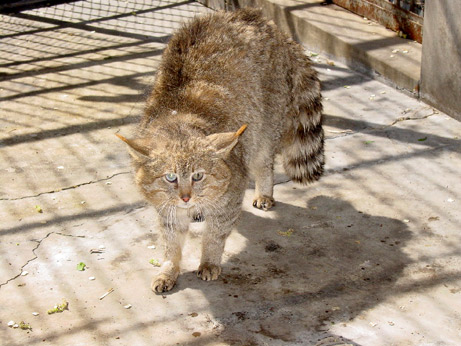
{"type": "Point", "coordinates": [220, 32]}
{"type": "Point", "coordinates": [230, 45]}
{"type": "Point", "coordinates": [217, 32]}
{"type": "Point", "coordinates": [228, 69]}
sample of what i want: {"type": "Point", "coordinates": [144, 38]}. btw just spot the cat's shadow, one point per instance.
{"type": "Point", "coordinates": [303, 270]}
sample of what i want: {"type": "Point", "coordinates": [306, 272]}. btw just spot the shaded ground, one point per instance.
{"type": "Point", "coordinates": [367, 256]}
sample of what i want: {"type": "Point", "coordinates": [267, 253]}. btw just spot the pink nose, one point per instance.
{"type": "Point", "coordinates": [185, 198]}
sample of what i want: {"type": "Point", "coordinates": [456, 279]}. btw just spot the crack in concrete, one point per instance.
{"type": "Point", "coordinates": [406, 118]}
{"type": "Point", "coordinates": [65, 188]}
{"type": "Point", "coordinates": [345, 133]}
{"type": "Point", "coordinates": [39, 242]}
{"type": "Point", "coordinates": [348, 132]}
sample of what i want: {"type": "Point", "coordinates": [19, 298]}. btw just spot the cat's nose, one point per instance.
{"type": "Point", "coordinates": [185, 198]}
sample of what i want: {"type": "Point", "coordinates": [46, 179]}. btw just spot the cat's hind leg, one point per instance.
{"type": "Point", "coordinates": [263, 173]}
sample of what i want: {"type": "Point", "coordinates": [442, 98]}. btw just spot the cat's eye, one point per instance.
{"type": "Point", "coordinates": [171, 177]}
{"type": "Point", "coordinates": [197, 176]}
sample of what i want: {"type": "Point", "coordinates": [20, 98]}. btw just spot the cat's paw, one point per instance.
{"type": "Point", "coordinates": [263, 202]}
{"type": "Point", "coordinates": [208, 271]}
{"type": "Point", "coordinates": [163, 283]}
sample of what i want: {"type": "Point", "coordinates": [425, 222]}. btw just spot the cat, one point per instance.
{"type": "Point", "coordinates": [231, 91]}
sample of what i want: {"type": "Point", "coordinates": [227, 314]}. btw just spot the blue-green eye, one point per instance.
{"type": "Point", "coordinates": [197, 176]}
{"type": "Point", "coordinates": [171, 177]}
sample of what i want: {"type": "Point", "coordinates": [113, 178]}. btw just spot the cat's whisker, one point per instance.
{"type": "Point", "coordinates": [218, 212]}
{"type": "Point", "coordinates": [172, 216]}
{"type": "Point", "coordinates": [165, 210]}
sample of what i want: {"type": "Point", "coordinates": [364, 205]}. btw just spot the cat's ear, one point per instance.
{"type": "Point", "coordinates": [224, 142]}
{"type": "Point", "coordinates": [138, 147]}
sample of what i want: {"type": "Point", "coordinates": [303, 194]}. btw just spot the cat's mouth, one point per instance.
{"type": "Point", "coordinates": [185, 205]}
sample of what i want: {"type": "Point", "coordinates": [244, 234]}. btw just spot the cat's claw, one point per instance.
{"type": "Point", "coordinates": [208, 271]}
{"type": "Point", "coordinates": [162, 283]}
{"type": "Point", "coordinates": [264, 203]}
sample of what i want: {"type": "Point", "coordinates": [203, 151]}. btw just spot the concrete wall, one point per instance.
{"type": "Point", "coordinates": [441, 59]}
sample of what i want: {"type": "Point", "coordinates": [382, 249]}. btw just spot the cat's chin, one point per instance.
{"type": "Point", "coordinates": [185, 205]}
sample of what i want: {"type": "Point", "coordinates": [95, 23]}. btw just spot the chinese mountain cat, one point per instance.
{"type": "Point", "coordinates": [231, 92]}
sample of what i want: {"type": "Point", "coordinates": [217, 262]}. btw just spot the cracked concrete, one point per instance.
{"type": "Point", "coordinates": [22, 272]}
{"type": "Point", "coordinates": [372, 259]}
{"type": "Point", "coordinates": [398, 120]}
{"type": "Point", "coordinates": [65, 188]}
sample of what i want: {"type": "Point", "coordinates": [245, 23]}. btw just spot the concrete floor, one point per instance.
{"type": "Point", "coordinates": [373, 257]}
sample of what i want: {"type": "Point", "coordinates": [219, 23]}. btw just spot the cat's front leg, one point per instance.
{"type": "Point", "coordinates": [218, 228]}
{"type": "Point", "coordinates": [173, 240]}
{"type": "Point", "coordinates": [213, 242]}
{"type": "Point", "coordinates": [166, 280]}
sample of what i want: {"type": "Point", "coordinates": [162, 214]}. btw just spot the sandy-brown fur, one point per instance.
{"type": "Point", "coordinates": [220, 72]}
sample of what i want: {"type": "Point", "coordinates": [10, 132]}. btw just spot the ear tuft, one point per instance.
{"type": "Point", "coordinates": [138, 146]}
{"type": "Point", "coordinates": [225, 142]}
{"type": "Point", "coordinates": [241, 130]}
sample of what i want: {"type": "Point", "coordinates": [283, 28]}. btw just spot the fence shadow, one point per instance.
{"type": "Point", "coordinates": [293, 286]}
{"type": "Point", "coordinates": [70, 76]}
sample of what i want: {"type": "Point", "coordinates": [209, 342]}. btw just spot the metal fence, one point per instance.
{"type": "Point", "coordinates": [415, 6]}
{"type": "Point", "coordinates": [402, 16]}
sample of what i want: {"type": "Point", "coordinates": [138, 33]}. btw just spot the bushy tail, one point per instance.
{"type": "Point", "coordinates": [302, 150]}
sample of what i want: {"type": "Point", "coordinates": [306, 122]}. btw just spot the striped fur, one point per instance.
{"type": "Point", "coordinates": [303, 144]}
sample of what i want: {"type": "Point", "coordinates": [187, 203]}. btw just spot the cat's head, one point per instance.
{"type": "Point", "coordinates": [185, 172]}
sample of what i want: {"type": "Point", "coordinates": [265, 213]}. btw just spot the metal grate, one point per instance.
{"type": "Point", "coordinates": [402, 16]}
{"type": "Point", "coordinates": [415, 6]}
{"type": "Point", "coordinates": [51, 34]}
{"type": "Point", "coordinates": [11, 6]}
